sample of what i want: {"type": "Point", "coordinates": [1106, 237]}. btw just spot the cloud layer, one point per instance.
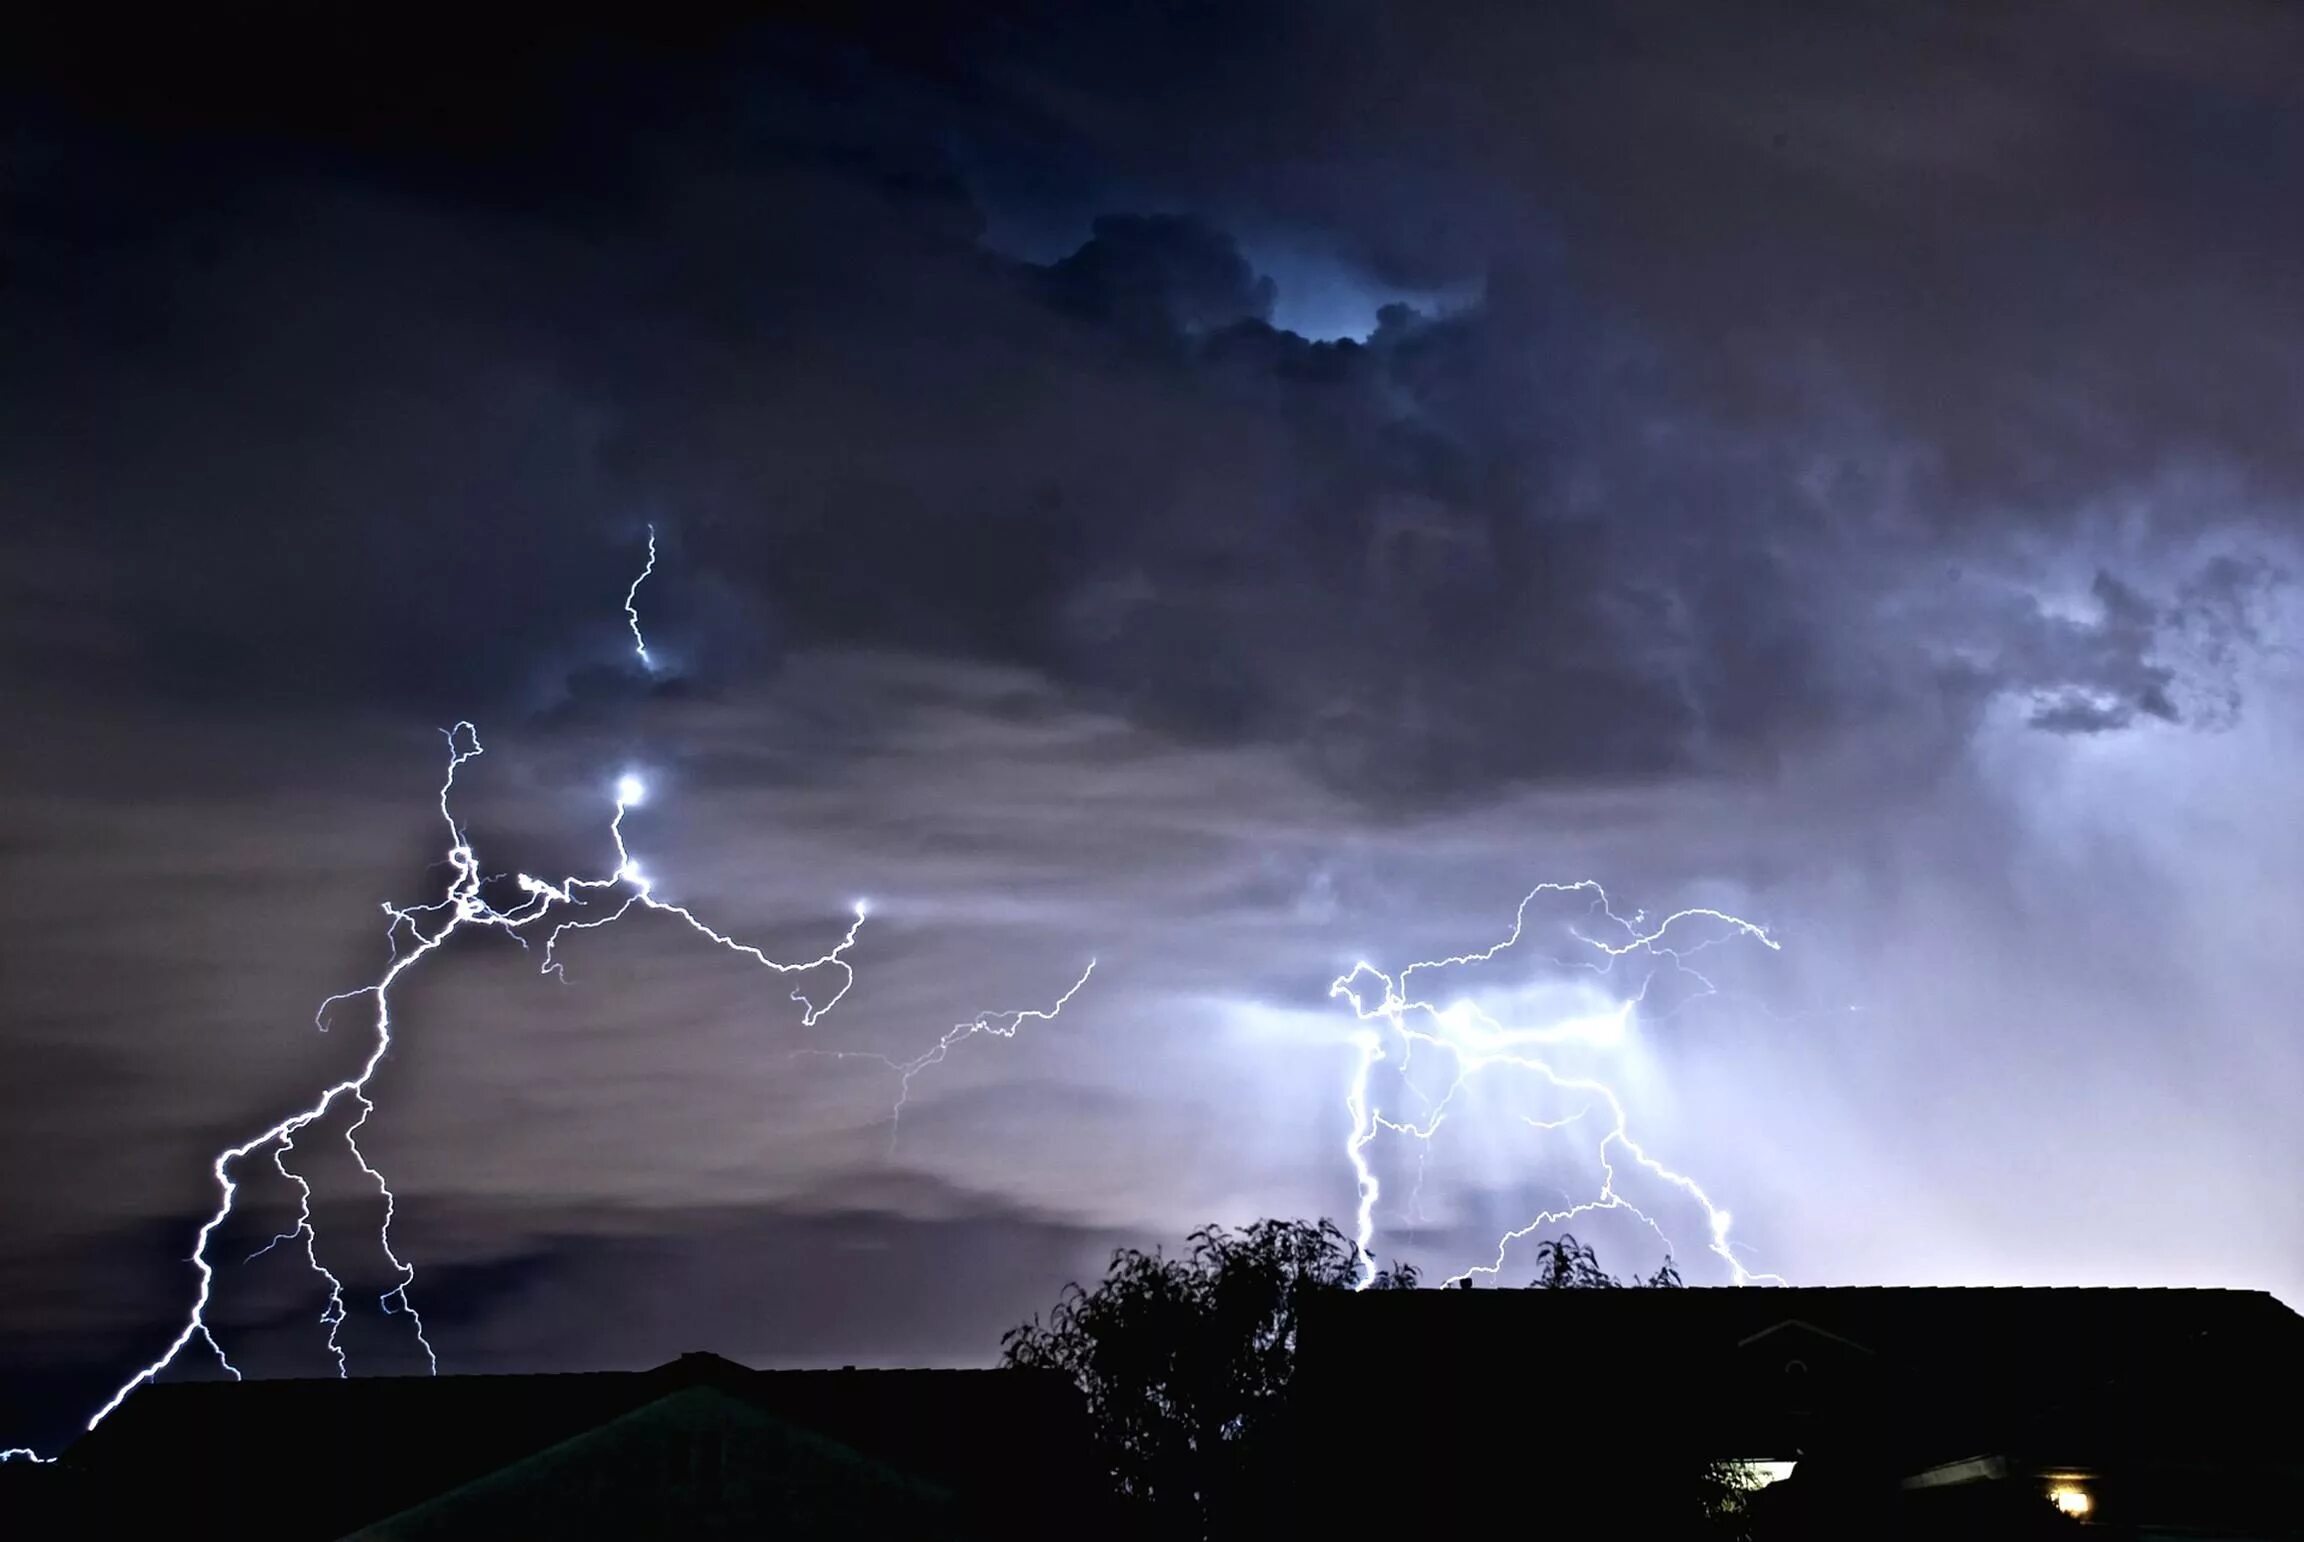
{"type": "Point", "coordinates": [1838, 469]}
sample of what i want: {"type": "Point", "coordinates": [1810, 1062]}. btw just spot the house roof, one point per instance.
{"type": "Point", "coordinates": [695, 1462]}
{"type": "Point", "coordinates": [1883, 1317]}
{"type": "Point", "coordinates": [322, 1457]}
{"type": "Point", "coordinates": [1949, 1366]}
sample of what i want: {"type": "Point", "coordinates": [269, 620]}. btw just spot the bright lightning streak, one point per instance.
{"type": "Point", "coordinates": [1476, 1042]}
{"type": "Point", "coordinates": [332, 1316]}
{"type": "Point", "coordinates": [409, 941]}
{"type": "Point", "coordinates": [999, 1025]}
{"type": "Point", "coordinates": [569, 891]}
{"type": "Point", "coordinates": [632, 607]}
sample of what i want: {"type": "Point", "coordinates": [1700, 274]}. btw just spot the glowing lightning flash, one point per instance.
{"type": "Point", "coordinates": [1475, 1042]}
{"type": "Point", "coordinates": [413, 933]}
{"type": "Point", "coordinates": [464, 906]}
{"type": "Point", "coordinates": [630, 790]}
{"type": "Point", "coordinates": [632, 607]}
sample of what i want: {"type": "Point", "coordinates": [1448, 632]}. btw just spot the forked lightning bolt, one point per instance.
{"type": "Point", "coordinates": [630, 792]}
{"type": "Point", "coordinates": [1476, 1042]}
{"type": "Point", "coordinates": [999, 1025]}
{"type": "Point", "coordinates": [413, 933]}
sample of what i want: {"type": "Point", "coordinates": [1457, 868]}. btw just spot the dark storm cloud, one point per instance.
{"type": "Point", "coordinates": [1991, 223]}
{"type": "Point", "coordinates": [1637, 511]}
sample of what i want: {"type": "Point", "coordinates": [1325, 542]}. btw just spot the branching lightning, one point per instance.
{"type": "Point", "coordinates": [464, 906]}
{"type": "Point", "coordinates": [630, 792]}
{"type": "Point", "coordinates": [1476, 1042]}
{"type": "Point", "coordinates": [413, 933]}
{"type": "Point", "coordinates": [999, 1025]}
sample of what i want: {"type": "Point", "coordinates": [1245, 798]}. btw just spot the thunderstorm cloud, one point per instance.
{"type": "Point", "coordinates": [1228, 491]}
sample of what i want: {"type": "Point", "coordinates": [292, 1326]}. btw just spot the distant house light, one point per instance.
{"type": "Point", "coordinates": [2071, 1500]}
{"type": "Point", "coordinates": [1765, 1473]}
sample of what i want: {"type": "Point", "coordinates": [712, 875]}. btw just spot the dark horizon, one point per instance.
{"type": "Point", "coordinates": [1247, 495]}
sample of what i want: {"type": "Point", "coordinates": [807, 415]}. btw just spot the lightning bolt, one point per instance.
{"type": "Point", "coordinates": [412, 934]}
{"type": "Point", "coordinates": [999, 1025]}
{"type": "Point", "coordinates": [630, 792]}
{"type": "Point", "coordinates": [632, 605]}
{"type": "Point", "coordinates": [1475, 1042]}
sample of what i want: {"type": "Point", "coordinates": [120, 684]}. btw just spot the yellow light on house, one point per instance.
{"type": "Point", "coordinates": [2072, 1501]}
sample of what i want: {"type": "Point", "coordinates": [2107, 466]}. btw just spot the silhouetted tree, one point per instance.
{"type": "Point", "coordinates": [1186, 1361]}
{"type": "Point", "coordinates": [1563, 1263]}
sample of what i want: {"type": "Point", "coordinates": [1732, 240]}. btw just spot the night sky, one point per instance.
{"type": "Point", "coordinates": [1225, 490]}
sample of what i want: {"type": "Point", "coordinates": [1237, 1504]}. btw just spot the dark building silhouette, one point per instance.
{"type": "Point", "coordinates": [701, 1447]}
{"type": "Point", "coordinates": [1937, 1412]}
{"type": "Point", "coordinates": [1903, 1413]}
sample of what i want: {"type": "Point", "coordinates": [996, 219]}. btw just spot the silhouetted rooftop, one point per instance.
{"type": "Point", "coordinates": [355, 1451]}
{"type": "Point", "coordinates": [1896, 1402]}
{"type": "Point", "coordinates": [2168, 1315]}
{"type": "Point", "coordinates": [2055, 1364]}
